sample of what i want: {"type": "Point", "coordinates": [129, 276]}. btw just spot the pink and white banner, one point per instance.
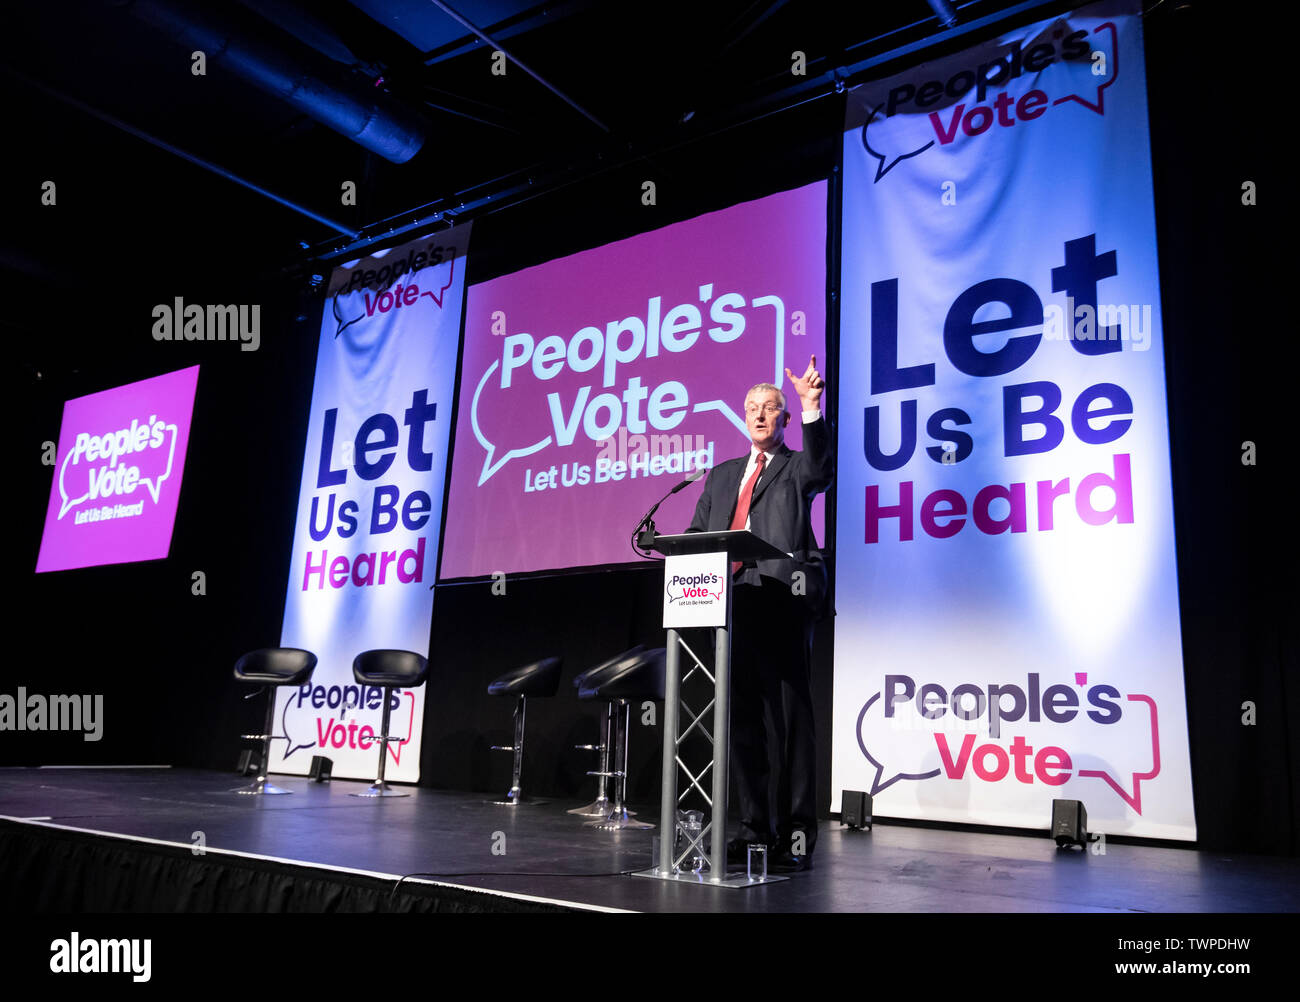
{"type": "Point", "coordinates": [593, 383]}
{"type": "Point", "coordinates": [1008, 624]}
{"type": "Point", "coordinates": [370, 505]}
{"type": "Point", "coordinates": [117, 478]}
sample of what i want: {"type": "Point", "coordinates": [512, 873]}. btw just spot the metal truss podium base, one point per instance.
{"type": "Point", "coordinates": [737, 879]}
{"type": "Point", "coordinates": [710, 553]}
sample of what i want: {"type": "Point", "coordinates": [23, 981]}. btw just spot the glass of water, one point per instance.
{"type": "Point", "coordinates": [692, 823]}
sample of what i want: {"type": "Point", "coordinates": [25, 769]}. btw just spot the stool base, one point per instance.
{"type": "Point", "coordinates": [618, 821]}
{"type": "Point", "coordinates": [600, 808]}
{"type": "Point", "coordinates": [260, 789]}
{"type": "Point", "coordinates": [380, 790]}
{"type": "Point", "coordinates": [517, 800]}
{"type": "Point", "coordinates": [596, 809]}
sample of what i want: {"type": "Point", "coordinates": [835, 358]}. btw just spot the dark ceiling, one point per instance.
{"type": "Point", "coordinates": [102, 100]}
{"type": "Point", "coordinates": [624, 76]}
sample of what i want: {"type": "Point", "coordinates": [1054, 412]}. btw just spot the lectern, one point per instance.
{"type": "Point", "coordinates": [697, 593]}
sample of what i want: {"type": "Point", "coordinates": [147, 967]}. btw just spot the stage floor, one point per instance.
{"type": "Point", "coordinates": [550, 856]}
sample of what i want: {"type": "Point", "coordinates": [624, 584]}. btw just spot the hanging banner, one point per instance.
{"type": "Point", "coordinates": [370, 505]}
{"type": "Point", "coordinates": [1008, 628]}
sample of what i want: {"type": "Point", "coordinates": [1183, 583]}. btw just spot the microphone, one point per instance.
{"type": "Point", "coordinates": [690, 479]}
{"type": "Point", "coordinates": [645, 532]}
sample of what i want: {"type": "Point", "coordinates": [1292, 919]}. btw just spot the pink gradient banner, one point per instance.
{"type": "Point", "coordinates": [118, 473]}
{"type": "Point", "coordinates": [592, 384]}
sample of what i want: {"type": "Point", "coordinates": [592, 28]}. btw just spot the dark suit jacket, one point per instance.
{"type": "Point", "coordinates": [780, 510]}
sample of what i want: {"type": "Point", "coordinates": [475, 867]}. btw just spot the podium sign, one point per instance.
{"type": "Point", "coordinates": [695, 590]}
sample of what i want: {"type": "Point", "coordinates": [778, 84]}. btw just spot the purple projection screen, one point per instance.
{"type": "Point", "coordinates": [592, 384]}
{"type": "Point", "coordinates": [118, 473]}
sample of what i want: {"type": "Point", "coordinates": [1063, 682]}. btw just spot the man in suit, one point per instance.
{"type": "Point", "coordinates": [770, 491]}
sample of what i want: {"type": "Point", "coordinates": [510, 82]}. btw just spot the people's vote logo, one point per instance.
{"type": "Point", "coordinates": [1010, 732]}
{"type": "Point", "coordinates": [393, 285]}
{"type": "Point", "coordinates": [694, 589]}
{"type": "Point", "coordinates": [114, 466]}
{"type": "Point", "coordinates": [117, 474]}
{"type": "Point", "coordinates": [1009, 86]}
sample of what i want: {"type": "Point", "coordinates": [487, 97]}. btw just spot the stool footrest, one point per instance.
{"type": "Point", "coordinates": [588, 747]}
{"type": "Point", "coordinates": [608, 775]}
{"type": "Point", "coordinates": [503, 747]}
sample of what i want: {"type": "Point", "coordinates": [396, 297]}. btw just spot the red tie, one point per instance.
{"type": "Point", "coordinates": [739, 519]}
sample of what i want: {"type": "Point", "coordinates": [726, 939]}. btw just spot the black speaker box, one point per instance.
{"type": "Point", "coordinates": [321, 768]}
{"type": "Point", "coordinates": [1069, 822]}
{"type": "Point", "coordinates": [855, 809]}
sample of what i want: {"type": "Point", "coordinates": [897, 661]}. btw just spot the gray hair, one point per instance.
{"type": "Point", "coordinates": [766, 386]}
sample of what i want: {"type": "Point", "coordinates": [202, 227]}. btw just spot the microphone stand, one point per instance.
{"type": "Point", "coordinates": [643, 536]}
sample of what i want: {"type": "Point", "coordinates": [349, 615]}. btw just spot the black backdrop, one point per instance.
{"type": "Point", "coordinates": [162, 655]}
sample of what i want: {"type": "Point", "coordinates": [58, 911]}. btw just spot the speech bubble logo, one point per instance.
{"type": "Point", "coordinates": [297, 746]}
{"type": "Point", "coordinates": [338, 318]}
{"type": "Point", "coordinates": [778, 377]}
{"type": "Point", "coordinates": [532, 399]}
{"type": "Point", "coordinates": [284, 727]}
{"type": "Point", "coordinates": [716, 595]}
{"type": "Point", "coordinates": [1098, 104]}
{"type": "Point", "coordinates": [437, 296]}
{"type": "Point", "coordinates": [490, 467]}
{"type": "Point", "coordinates": [906, 134]}
{"type": "Point", "coordinates": [387, 284]}
{"type": "Point", "coordinates": [907, 718]}
{"type": "Point", "coordinates": [401, 743]}
{"type": "Point", "coordinates": [878, 782]}
{"type": "Point", "coordinates": [1134, 798]}
{"type": "Point", "coordinates": [67, 504]}
{"type": "Point", "coordinates": [152, 484]}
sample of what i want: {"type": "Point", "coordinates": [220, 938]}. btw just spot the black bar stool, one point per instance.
{"type": "Point", "coordinates": [601, 806]}
{"type": "Point", "coordinates": [637, 677]}
{"type": "Point", "coordinates": [271, 667]}
{"type": "Point", "coordinates": [541, 678]}
{"type": "Point", "coordinates": [391, 670]}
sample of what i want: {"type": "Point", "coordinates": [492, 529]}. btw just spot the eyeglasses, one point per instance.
{"type": "Point", "coordinates": [751, 409]}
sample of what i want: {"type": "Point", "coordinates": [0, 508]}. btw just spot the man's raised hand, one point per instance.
{"type": "Point", "coordinates": [809, 386]}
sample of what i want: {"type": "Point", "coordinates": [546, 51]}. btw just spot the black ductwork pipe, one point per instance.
{"type": "Point", "coordinates": [238, 43]}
